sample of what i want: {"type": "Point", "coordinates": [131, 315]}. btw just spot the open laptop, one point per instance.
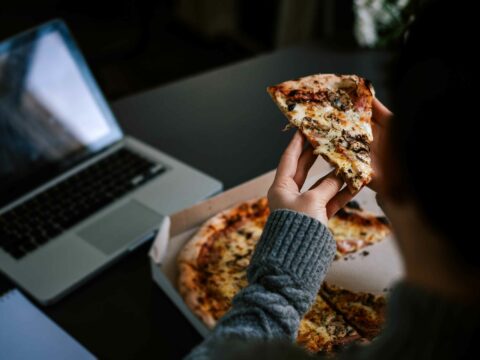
{"type": "Point", "coordinates": [75, 193]}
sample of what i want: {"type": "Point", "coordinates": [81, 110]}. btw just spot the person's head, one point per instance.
{"type": "Point", "coordinates": [433, 137]}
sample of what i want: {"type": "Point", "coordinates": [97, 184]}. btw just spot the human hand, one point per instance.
{"type": "Point", "coordinates": [380, 119]}
{"type": "Point", "coordinates": [321, 201]}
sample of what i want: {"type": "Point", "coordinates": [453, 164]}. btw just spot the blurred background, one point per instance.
{"type": "Point", "coordinates": [134, 45]}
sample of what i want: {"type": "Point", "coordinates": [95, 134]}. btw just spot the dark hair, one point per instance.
{"type": "Point", "coordinates": [433, 133]}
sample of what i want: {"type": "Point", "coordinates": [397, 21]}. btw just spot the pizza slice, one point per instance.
{"type": "Point", "coordinates": [323, 329]}
{"type": "Point", "coordinates": [334, 114]}
{"type": "Point", "coordinates": [364, 311]}
{"type": "Point", "coordinates": [354, 228]}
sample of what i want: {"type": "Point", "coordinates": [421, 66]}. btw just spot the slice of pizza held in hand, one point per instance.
{"type": "Point", "coordinates": [334, 113]}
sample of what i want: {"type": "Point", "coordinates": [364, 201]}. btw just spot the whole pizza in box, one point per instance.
{"type": "Point", "coordinates": [212, 269]}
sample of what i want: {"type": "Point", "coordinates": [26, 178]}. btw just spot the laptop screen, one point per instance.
{"type": "Point", "coordinates": [52, 114]}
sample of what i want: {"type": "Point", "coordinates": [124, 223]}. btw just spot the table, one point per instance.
{"type": "Point", "coordinates": [223, 123]}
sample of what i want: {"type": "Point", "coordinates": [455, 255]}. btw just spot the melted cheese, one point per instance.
{"type": "Point", "coordinates": [329, 139]}
{"type": "Point", "coordinates": [322, 328]}
{"type": "Point", "coordinates": [353, 235]}
{"type": "Point", "coordinates": [335, 134]}
{"type": "Point", "coordinates": [234, 249]}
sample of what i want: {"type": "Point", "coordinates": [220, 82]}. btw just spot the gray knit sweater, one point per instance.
{"type": "Point", "coordinates": [284, 276]}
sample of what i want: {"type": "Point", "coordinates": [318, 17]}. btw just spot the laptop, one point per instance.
{"type": "Point", "coordinates": [75, 192]}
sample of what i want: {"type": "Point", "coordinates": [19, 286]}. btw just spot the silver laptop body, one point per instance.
{"type": "Point", "coordinates": [62, 127]}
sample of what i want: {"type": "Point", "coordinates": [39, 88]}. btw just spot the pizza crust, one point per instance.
{"type": "Point", "coordinates": [192, 293]}
{"type": "Point", "coordinates": [188, 279]}
{"type": "Point", "coordinates": [190, 257]}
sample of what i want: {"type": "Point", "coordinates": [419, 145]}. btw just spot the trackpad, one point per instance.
{"type": "Point", "coordinates": [122, 226]}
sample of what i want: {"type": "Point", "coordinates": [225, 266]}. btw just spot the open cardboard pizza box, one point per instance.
{"type": "Point", "coordinates": [373, 270]}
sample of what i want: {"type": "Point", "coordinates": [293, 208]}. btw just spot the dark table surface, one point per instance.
{"type": "Point", "coordinates": [224, 123]}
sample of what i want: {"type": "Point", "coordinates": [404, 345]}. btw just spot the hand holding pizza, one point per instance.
{"type": "Point", "coordinates": [321, 201]}
{"type": "Point", "coordinates": [380, 119]}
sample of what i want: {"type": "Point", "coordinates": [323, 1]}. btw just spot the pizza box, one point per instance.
{"type": "Point", "coordinates": [373, 270]}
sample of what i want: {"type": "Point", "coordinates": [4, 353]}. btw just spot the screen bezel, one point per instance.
{"type": "Point", "coordinates": [51, 170]}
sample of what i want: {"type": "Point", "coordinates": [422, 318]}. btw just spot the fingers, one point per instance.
{"type": "Point", "coordinates": [339, 201]}
{"type": "Point", "coordinates": [327, 187]}
{"type": "Point", "coordinates": [304, 164]}
{"type": "Point", "coordinates": [289, 160]}
{"type": "Point", "coordinates": [380, 113]}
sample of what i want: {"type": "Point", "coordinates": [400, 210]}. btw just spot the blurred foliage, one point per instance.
{"type": "Point", "coordinates": [382, 23]}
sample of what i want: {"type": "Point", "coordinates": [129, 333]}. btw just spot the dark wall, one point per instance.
{"type": "Point", "coordinates": [133, 45]}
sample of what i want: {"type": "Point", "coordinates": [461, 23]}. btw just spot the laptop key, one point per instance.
{"type": "Point", "coordinates": [29, 244]}
{"type": "Point", "coordinates": [16, 252]}
{"type": "Point", "coordinates": [6, 240]}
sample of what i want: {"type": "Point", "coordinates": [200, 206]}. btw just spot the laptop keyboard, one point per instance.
{"type": "Point", "coordinates": [47, 215]}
